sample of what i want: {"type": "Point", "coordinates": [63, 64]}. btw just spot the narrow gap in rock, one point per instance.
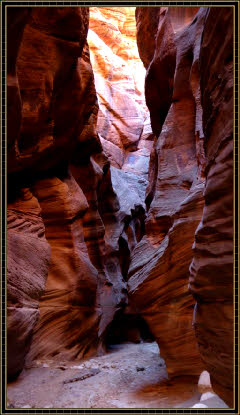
{"type": "Point", "coordinates": [127, 328]}
{"type": "Point", "coordinates": [119, 219]}
{"type": "Point", "coordinates": [124, 129]}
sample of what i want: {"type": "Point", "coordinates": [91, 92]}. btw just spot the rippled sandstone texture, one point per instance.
{"type": "Point", "coordinates": [87, 214]}
{"type": "Point", "coordinates": [59, 194]}
{"type": "Point", "coordinates": [66, 197]}
{"type": "Point", "coordinates": [181, 97]}
{"type": "Point", "coordinates": [28, 255]}
{"type": "Point", "coordinates": [28, 252]}
{"type": "Point", "coordinates": [123, 121]}
{"type": "Point", "coordinates": [158, 271]}
{"type": "Point", "coordinates": [211, 279]}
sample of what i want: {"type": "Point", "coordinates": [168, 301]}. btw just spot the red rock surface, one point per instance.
{"type": "Point", "coordinates": [158, 272]}
{"type": "Point", "coordinates": [16, 19]}
{"type": "Point", "coordinates": [211, 279]}
{"type": "Point", "coordinates": [181, 98]}
{"type": "Point", "coordinates": [58, 155]}
{"type": "Point", "coordinates": [51, 89]}
{"type": "Point", "coordinates": [28, 256]}
{"type": "Point", "coordinates": [28, 252]}
{"type": "Point", "coordinates": [124, 129]}
{"type": "Point", "coordinates": [77, 183]}
{"type": "Point", "coordinates": [67, 327]}
{"type": "Point", "coordinates": [58, 108]}
{"type": "Point", "coordinates": [101, 233]}
{"type": "Point", "coordinates": [123, 121]}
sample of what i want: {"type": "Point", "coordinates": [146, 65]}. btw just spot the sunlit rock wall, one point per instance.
{"type": "Point", "coordinates": [123, 122]}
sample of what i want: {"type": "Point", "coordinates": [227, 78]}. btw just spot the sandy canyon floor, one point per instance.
{"type": "Point", "coordinates": [130, 376]}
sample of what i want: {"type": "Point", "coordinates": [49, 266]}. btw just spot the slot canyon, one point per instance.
{"type": "Point", "coordinates": [120, 207]}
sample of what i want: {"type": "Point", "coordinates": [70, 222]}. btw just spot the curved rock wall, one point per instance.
{"type": "Point", "coordinates": [28, 252]}
{"type": "Point", "coordinates": [28, 256]}
{"type": "Point", "coordinates": [51, 124]}
{"type": "Point", "coordinates": [56, 171]}
{"type": "Point", "coordinates": [64, 193]}
{"type": "Point", "coordinates": [158, 271]}
{"type": "Point", "coordinates": [123, 121]}
{"type": "Point", "coordinates": [185, 84]}
{"type": "Point", "coordinates": [211, 272]}
{"type": "Point", "coordinates": [79, 186]}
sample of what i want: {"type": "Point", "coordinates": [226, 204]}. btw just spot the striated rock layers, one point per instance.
{"type": "Point", "coordinates": [28, 255]}
{"type": "Point", "coordinates": [28, 252]}
{"type": "Point", "coordinates": [61, 201]}
{"type": "Point", "coordinates": [158, 274]}
{"type": "Point", "coordinates": [73, 218]}
{"type": "Point", "coordinates": [78, 234]}
{"type": "Point", "coordinates": [123, 121]}
{"type": "Point", "coordinates": [211, 279]}
{"type": "Point", "coordinates": [189, 93]}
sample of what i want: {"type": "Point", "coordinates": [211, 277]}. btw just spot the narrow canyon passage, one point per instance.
{"type": "Point", "coordinates": [119, 208]}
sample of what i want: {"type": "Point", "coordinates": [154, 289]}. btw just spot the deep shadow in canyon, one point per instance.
{"type": "Point", "coordinates": [120, 198]}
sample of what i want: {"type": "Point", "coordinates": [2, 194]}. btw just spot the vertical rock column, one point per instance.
{"type": "Point", "coordinates": [28, 256]}
{"type": "Point", "coordinates": [68, 324]}
{"type": "Point", "coordinates": [56, 100]}
{"type": "Point", "coordinates": [28, 252]}
{"type": "Point", "coordinates": [159, 269]}
{"type": "Point", "coordinates": [211, 279]}
{"type": "Point", "coordinates": [123, 121]}
{"type": "Point", "coordinates": [117, 194]}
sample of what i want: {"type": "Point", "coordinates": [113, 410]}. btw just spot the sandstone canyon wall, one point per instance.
{"type": "Point", "coordinates": [211, 272]}
{"type": "Point", "coordinates": [82, 214]}
{"type": "Point", "coordinates": [193, 123]}
{"type": "Point", "coordinates": [123, 123]}
{"type": "Point", "coordinates": [123, 120]}
{"type": "Point", "coordinates": [59, 195]}
{"type": "Point", "coordinates": [97, 225]}
{"type": "Point", "coordinates": [158, 272]}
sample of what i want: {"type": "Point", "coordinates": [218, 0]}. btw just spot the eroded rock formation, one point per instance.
{"type": "Point", "coordinates": [28, 256]}
{"type": "Point", "coordinates": [79, 237]}
{"type": "Point", "coordinates": [158, 272]}
{"type": "Point", "coordinates": [180, 93]}
{"type": "Point", "coordinates": [64, 192]}
{"type": "Point", "coordinates": [55, 186]}
{"type": "Point", "coordinates": [123, 120]}
{"type": "Point", "coordinates": [211, 279]}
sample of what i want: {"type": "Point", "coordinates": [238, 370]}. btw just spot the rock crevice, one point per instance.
{"type": "Point", "coordinates": [116, 189]}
